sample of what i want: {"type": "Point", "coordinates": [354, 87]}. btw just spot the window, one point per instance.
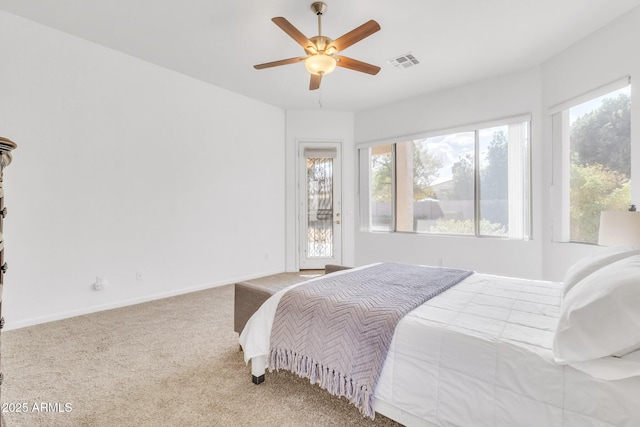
{"type": "Point", "coordinates": [381, 170]}
{"type": "Point", "coordinates": [593, 134]}
{"type": "Point", "coordinates": [469, 182]}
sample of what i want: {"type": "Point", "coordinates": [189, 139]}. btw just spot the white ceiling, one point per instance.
{"type": "Point", "coordinates": [456, 41]}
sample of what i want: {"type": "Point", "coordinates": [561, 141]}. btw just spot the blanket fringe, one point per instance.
{"type": "Point", "coordinates": [336, 383]}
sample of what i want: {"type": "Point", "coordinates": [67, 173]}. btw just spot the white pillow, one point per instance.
{"type": "Point", "coordinates": [591, 263]}
{"type": "Point", "coordinates": [600, 317]}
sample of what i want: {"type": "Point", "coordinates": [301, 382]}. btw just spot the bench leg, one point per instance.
{"type": "Point", "coordinates": [258, 366]}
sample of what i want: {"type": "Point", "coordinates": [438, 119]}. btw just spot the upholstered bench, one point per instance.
{"type": "Point", "coordinates": [249, 297]}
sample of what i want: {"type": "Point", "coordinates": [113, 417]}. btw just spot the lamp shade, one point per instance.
{"type": "Point", "coordinates": [320, 64]}
{"type": "Point", "coordinates": [619, 228]}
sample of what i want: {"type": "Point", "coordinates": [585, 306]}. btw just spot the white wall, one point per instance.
{"type": "Point", "coordinates": [497, 98]}
{"type": "Point", "coordinates": [124, 166]}
{"type": "Point", "coordinates": [607, 55]}
{"type": "Point", "coordinates": [320, 126]}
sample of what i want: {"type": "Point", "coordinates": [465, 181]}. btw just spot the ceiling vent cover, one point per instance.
{"type": "Point", "coordinates": [404, 61]}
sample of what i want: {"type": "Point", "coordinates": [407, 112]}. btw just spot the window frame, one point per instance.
{"type": "Point", "coordinates": [364, 189]}
{"type": "Point", "coordinates": [561, 155]}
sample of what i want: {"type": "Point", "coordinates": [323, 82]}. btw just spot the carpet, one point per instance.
{"type": "Point", "coordinates": [170, 362]}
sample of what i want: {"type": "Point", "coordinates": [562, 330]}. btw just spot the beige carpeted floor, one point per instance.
{"type": "Point", "coordinates": [171, 362]}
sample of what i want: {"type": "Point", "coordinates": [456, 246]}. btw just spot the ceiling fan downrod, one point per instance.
{"type": "Point", "coordinates": [319, 8]}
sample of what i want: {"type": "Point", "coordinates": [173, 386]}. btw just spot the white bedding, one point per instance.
{"type": "Point", "coordinates": [479, 354]}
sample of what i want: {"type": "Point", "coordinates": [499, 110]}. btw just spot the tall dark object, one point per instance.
{"type": "Point", "coordinates": [6, 146]}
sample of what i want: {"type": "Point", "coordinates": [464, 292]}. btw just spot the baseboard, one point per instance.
{"type": "Point", "coordinates": [124, 303]}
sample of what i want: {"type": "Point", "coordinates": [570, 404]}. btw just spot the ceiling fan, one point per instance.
{"type": "Point", "coordinates": [321, 50]}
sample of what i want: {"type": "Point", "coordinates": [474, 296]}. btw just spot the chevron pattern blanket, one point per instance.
{"type": "Point", "coordinates": [337, 330]}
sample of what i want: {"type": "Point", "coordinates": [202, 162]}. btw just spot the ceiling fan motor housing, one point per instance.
{"type": "Point", "coordinates": [321, 43]}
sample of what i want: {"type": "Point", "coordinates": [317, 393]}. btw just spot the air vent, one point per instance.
{"type": "Point", "coordinates": [404, 61]}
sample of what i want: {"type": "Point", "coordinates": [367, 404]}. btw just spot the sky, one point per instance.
{"type": "Point", "coordinates": [451, 148]}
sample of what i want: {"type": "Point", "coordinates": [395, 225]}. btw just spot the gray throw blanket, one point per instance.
{"type": "Point", "coordinates": [337, 330]}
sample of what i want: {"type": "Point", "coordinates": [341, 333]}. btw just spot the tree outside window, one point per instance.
{"type": "Point", "coordinates": [600, 166]}
{"type": "Point", "coordinates": [458, 183]}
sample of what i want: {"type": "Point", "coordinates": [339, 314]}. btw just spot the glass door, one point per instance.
{"type": "Point", "coordinates": [320, 237]}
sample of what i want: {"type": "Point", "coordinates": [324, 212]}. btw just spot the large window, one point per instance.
{"type": "Point", "coordinates": [593, 133]}
{"type": "Point", "coordinates": [472, 181]}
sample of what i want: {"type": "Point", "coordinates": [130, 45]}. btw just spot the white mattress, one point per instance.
{"type": "Point", "coordinates": [480, 354]}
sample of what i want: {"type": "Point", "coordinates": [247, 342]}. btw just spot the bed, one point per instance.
{"type": "Point", "coordinates": [501, 351]}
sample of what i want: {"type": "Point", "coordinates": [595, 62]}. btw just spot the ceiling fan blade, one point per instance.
{"type": "Point", "coordinates": [294, 33]}
{"type": "Point", "coordinates": [355, 35]}
{"type": "Point", "coordinates": [315, 81]}
{"type": "Point", "coordinates": [281, 62]}
{"type": "Point", "coordinates": [354, 64]}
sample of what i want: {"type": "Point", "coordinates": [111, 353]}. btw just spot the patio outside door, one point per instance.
{"type": "Point", "coordinates": [320, 205]}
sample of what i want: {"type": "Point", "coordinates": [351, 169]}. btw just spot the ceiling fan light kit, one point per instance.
{"type": "Point", "coordinates": [320, 64]}
{"type": "Point", "coordinates": [320, 50]}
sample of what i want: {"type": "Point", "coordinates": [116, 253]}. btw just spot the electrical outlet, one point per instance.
{"type": "Point", "coordinates": [100, 283]}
